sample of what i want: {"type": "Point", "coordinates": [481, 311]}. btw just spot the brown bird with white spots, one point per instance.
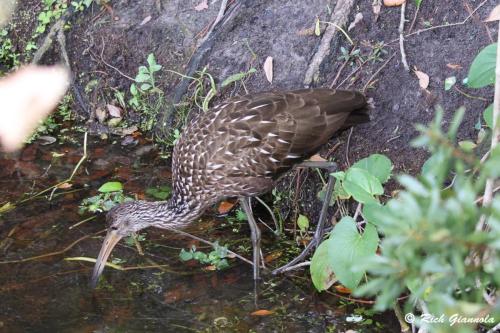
{"type": "Point", "coordinates": [238, 149]}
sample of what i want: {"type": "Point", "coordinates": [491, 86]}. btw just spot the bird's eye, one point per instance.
{"type": "Point", "coordinates": [114, 228]}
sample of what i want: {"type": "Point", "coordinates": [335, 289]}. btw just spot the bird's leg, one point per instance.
{"type": "Point", "coordinates": [318, 234]}
{"type": "Point", "coordinates": [255, 234]}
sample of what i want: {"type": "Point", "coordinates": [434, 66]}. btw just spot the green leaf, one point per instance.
{"type": "Point", "coordinates": [337, 254]}
{"type": "Point", "coordinates": [482, 69]}
{"type": "Point", "coordinates": [142, 77]}
{"type": "Point", "coordinates": [488, 116]}
{"type": "Point", "coordinates": [449, 82]}
{"type": "Point", "coordinates": [110, 187]}
{"type": "Point", "coordinates": [185, 255]}
{"type": "Point", "coordinates": [161, 193]}
{"type": "Point", "coordinates": [303, 222]}
{"type": "Point", "coordinates": [378, 165]}
{"type": "Point", "coordinates": [362, 185]}
{"type": "Point", "coordinates": [321, 268]}
{"type": "Point", "coordinates": [418, 3]}
{"type": "Point", "coordinates": [151, 59]}
{"type": "Point", "coordinates": [467, 145]}
{"type": "Point", "coordinates": [371, 213]}
{"type": "Point", "coordinates": [145, 86]}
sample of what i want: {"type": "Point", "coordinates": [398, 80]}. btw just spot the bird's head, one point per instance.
{"type": "Point", "coordinates": [122, 220]}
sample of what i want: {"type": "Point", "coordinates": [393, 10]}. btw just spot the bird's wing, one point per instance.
{"type": "Point", "coordinates": [262, 135]}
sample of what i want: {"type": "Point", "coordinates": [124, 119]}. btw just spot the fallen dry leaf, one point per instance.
{"type": "Point", "coordinates": [146, 20]}
{"type": "Point", "coordinates": [392, 3]}
{"type": "Point", "coordinates": [114, 111]}
{"type": "Point", "coordinates": [101, 114]}
{"type": "Point", "coordinates": [27, 96]}
{"type": "Point", "coordinates": [273, 256]}
{"type": "Point", "coordinates": [64, 186]}
{"type": "Point", "coordinates": [358, 18]}
{"type": "Point", "coordinates": [494, 15]}
{"type": "Point", "coordinates": [210, 268]}
{"type": "Point", "coordinates": [268, 69]}
{"type": "Point", "coordinates": [343, 290]}
{"type": "Point", "coordinates": [201, 6]}
{"type": "Point", "coordinates": [423, 79]}
{"type": "Point", "coordinates": [454, 66]}
{"type": "Point", "coordinates": [317, 158]}
{"type": "Point", "coordinates": [262, 313]}
{"type": "Point", "coordinates": [225, 207]}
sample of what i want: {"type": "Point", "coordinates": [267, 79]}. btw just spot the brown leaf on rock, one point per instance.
{"type": "Point", "coordinates": [268, 69]}
{"type": "Point", "coordinates": [494, 15]}
{"type": "Point", "coordinates": [201, 6]}
{"type": "Point", "coordinates": [423, 79]}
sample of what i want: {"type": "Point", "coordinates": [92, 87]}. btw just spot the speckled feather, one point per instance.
{"type": "Point", "coordinates": [241, 146]}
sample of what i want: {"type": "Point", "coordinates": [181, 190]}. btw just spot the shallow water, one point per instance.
{"type": "Point", "coordinates": [51, 294]}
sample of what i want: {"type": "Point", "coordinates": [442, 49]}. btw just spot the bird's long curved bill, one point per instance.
{"type": "Point", "coordinates": [110, 241]}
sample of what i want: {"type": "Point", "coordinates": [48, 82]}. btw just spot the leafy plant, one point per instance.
{"type": "Point", "coordinates": [146, 98]}
{"type": "Point", "coordinates": [334, 257]}
{"type": "Point", "coordinates": [430, 235]}
{"type": "Point", "coordinates": [216, 258]}
{"type": "Point", "coordinates": [8, 56]}
{"type": "Point", "coordinates": [110, 195]}
{"type": "Point", "coordinates": [160, 192]}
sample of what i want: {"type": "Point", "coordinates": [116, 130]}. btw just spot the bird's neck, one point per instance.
{"type": "Point", "coordinates": [176, 212]}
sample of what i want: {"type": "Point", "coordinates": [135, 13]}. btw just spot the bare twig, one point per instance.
{"type": "Point", "coordinates": [347, 147]}
{"type": "Point", "coordinates": [378, 71]}
{"type": "Point", "coordinates": [83, 158]}
{"type": "Point", "coordinates": [276, 224]}
{"type": "Point", "coordinates": [399, 314]}
{"type": "Point", "coordinates": [299, 265]}
{"type": "Point", "coordinates": [51, 254]}
{"type": "Point", "coordinates": [338, 19]}
{"type": "Point", "coordinates": [219, 17]}
{"type": "Point", "coordinates": [448, 24]}
{"type": "Point", "coordinates": [414, 19]}
{"type": "Point", "coordinates": [111, 66]}
{"type": "Point", "coordinates": [401, 37]}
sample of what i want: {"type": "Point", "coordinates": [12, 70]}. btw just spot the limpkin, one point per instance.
{"type": "Point", "coordinates": [238, 149]}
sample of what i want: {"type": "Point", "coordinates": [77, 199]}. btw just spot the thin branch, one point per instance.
{"type": "Point", "coordinates": [219, 17]}
{"type": "Point", "coordinates": [51, 254]}
{"type": "Point", "coordinates": [378, 71]}
{"type": "Point", "coordinates": [401, 37]}
{"type": "Point", "coordinates": [83, 158]}
{"type": "Point", "coordinates": [299, 265]}
{"type": "Point", "coordinates": [448, 24]}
